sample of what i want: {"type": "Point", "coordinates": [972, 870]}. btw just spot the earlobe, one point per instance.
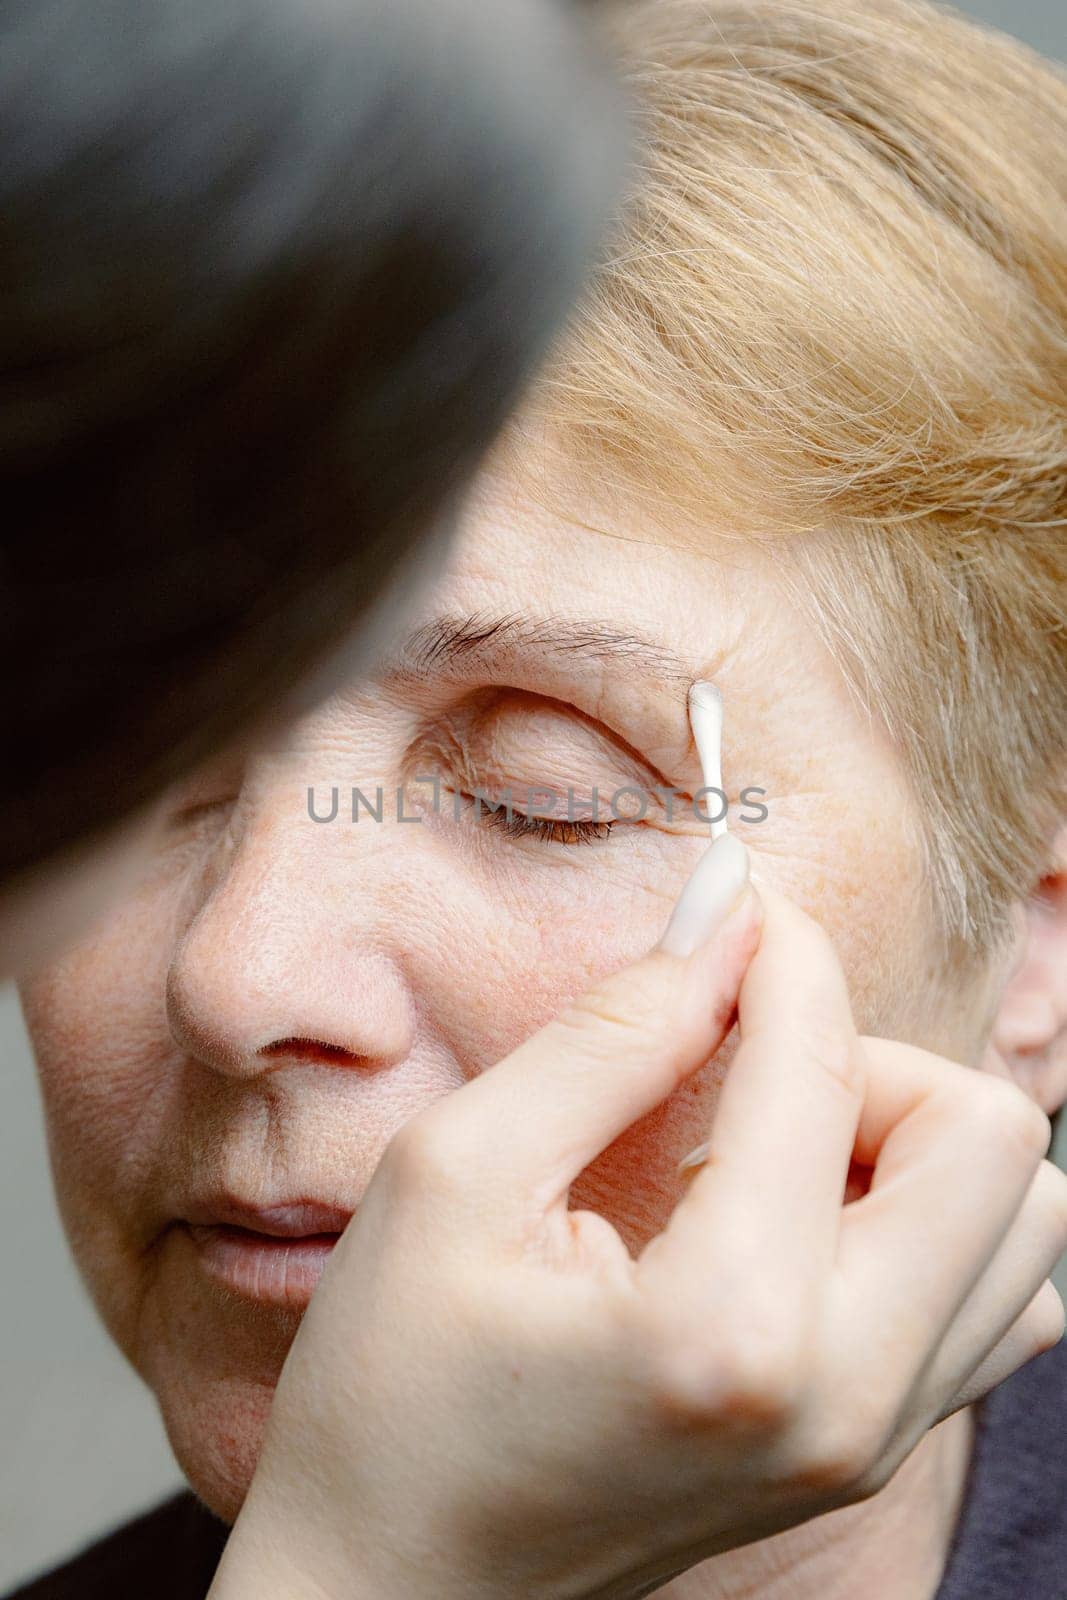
{"type": "Point", "coordinates": [1030, 1031]}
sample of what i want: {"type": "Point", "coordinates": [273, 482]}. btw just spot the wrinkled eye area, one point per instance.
{"type": "Point", "coordinates": [529, 767]}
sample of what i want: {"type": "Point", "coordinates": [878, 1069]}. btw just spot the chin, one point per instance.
{"type": "Point", "coordinates": [212, 1359]}
{"type": "Point", "coordinates": [216, 1438]}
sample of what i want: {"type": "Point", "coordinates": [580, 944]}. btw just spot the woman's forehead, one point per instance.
{"type": "Point", "coordinates": [555, 552]}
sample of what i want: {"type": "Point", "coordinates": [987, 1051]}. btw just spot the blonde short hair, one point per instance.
{"type": "Point", "coordinates": [837, 306]}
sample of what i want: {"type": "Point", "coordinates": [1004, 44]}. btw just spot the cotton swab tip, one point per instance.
{"type": "Point", "coordinates": [705, 696]}
{"type": "Point", "coordinates": [705, 719]}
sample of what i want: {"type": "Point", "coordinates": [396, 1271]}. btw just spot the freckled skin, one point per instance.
{"type": "Point", "coordinates": [427, 951]}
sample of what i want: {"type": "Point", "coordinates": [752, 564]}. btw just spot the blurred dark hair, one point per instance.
{"type": "Point", "coordinates": [270, 276]}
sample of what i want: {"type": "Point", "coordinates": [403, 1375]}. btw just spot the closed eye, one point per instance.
{"type": "Point", "coordinates": [526, 825]}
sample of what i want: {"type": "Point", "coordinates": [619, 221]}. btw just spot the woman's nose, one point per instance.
{"type": "Point", "coordinates": [277, 967]}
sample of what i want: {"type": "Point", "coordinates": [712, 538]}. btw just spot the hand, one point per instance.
{"type": "Point", "coordinates": [490, 1397]}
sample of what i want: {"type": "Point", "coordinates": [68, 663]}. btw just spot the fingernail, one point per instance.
{"type": "Point", "coordinates": [695, 1158]}
{"type": "Point", "coordinates": [716, 886]}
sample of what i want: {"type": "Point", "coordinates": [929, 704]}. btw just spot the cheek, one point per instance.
{"type": "Point", "coordinates": [528, 931]}
{"type": "Point", "coordinates": [528, 936]}
{"type": "Point", "coordinates": [114, 1097]}
{"type": "Point", "coordinates": [102, 1046]}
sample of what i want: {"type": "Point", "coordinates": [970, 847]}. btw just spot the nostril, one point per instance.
{"type": "Point", "coordinates": [309, 1050]}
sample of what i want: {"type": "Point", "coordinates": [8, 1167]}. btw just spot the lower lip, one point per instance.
{"type": "Point", "coordinates": [257, 1266]}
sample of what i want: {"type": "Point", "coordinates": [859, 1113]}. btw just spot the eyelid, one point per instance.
{"type": "Point", "coordinates": [217, 783]}
{"type": "Point", "coordinates": [530, 799]}
{"type": "Point", "coordinates": [496, 729]}
{"type": "Point", "coordinates": [195, 811]}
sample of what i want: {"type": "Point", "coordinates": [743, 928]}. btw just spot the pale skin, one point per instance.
{"type": "Point", "coordinates": [471, 1333]}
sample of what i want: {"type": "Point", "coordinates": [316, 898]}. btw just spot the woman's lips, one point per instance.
{"type": "Point", "coordinates": [271, 1254]}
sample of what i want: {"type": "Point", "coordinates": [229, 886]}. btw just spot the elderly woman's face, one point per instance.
{"type": "Point", "coordinates": [225, 1059]}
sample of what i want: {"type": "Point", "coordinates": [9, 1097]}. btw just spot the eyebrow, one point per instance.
{"type": "Point", "coordinates": [454, 640]}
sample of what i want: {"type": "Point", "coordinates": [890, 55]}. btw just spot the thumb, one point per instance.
{"type": "Point", "coordinates": [531, 1123]}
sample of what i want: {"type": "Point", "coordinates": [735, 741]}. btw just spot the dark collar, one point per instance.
{"type": "Point", "coordinates": [1011, 1539]}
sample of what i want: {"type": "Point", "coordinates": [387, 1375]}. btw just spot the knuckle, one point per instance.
{"type": "Point", "coordinates": [1010, 1116]}
{"type": "Point", "coordinates": [422, 1158]}
{"type": "Point", "coordinates": [845, 1462]}
{"type": "Point", "coordinates": [751, 1384]}
{"type": "Point", "coordinates": [1045, 1319]}
{"type": "Point", "coordinates": [1052, 1182]}
{"type": "Point", "coordinates": [1034, 1128]}
{"type": "Point", "coordinates": [835, 1050]}
{"type": "Point", "coordinates": [611, 1008]}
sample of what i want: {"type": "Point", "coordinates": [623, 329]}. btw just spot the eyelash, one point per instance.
{"type": "Point", "coordinates": [521, 825]}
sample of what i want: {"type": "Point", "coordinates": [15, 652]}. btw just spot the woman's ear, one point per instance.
{"type": "Point", "coordinates": [1030, 1031]}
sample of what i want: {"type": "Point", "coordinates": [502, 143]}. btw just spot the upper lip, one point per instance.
{"type": "Point", "coordinates": [288, 1219]}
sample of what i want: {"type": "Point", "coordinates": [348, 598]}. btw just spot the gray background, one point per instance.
{"type": "Point", "coordinates": [82, 1443]}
